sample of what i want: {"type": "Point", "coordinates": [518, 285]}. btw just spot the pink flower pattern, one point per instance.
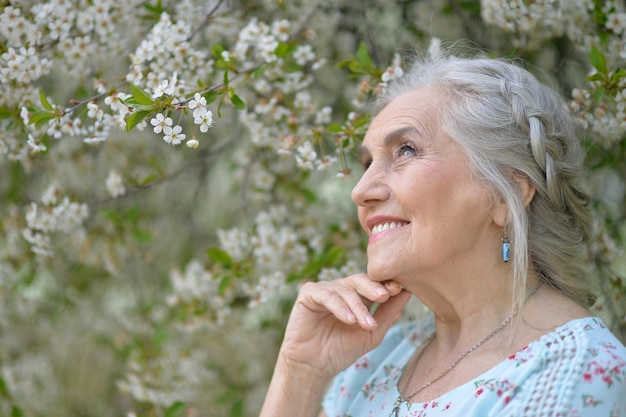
{"type": "Point", "coordinates": [581, 354]}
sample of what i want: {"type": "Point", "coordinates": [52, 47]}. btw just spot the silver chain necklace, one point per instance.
{"type": "Point", "coordinates": [406, 400]}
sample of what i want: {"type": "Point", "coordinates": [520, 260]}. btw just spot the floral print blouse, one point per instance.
{"type": "Point", "coordinates": [578, 370]}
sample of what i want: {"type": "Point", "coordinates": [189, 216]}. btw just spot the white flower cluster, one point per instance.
{"type": "Point", "coordinates": [276, 244]}
{"type": "Point", "coordinates": [235, 242]}
{"type": "Point", "coordinates": [22, 66]}
{"type": "Point", "coordinates": [259, 41]}
{"type": "Point", "coordinates": [167, 50]}
{"type": "Point", "coordinates": [536, 21]}
{"type": "Point", "coordinates": [275, 249]}
{"type": "Point", "coordinates": [285, 117]}
{"type": "Point", "coordinates": [54, 215]}
{"type": "Point", "coordinates": [197, 286]}
{"type": "Point", "coordinates": [162, 381]}
{"type": "Point", "coordinates": [607, 120]}
{"type": "Point", "coordinates": [73, 36]}
{"type": "Point", "coordinates": [24, 375]}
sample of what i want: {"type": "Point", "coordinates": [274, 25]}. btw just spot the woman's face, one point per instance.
{"type": "Point", "coordinates": [422, 209]}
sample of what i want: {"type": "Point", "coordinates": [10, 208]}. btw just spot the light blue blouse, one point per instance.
{"type": "Point", "coordinates": [578, 370]}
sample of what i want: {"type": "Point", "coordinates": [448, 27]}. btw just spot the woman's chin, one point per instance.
{"type": "Point", "coordinates": [379, 273]}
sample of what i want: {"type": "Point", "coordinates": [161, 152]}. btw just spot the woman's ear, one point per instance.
{"type": "Point", "coordinates": [527, 191]}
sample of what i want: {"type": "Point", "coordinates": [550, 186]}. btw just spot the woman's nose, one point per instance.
{"type": "Point", "coordinates": [371, 188]}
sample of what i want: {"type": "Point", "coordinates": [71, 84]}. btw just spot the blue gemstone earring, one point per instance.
{"type": "Point", "coordinates": [506, 249]}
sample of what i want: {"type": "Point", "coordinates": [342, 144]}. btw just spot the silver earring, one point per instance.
{"type": "Point", "coordinates": [506, 248]}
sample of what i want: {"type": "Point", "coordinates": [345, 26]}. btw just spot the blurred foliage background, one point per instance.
{"type": "Point", "coordinates": [142, 277]}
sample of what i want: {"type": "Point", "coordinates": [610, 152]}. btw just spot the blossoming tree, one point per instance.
{"type": "Point", "coordinates": [172, 171]}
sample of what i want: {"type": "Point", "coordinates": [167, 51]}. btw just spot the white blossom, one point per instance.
{"type": "Point", "coordinates": [35, 145]}
{"type": "Point", "coordinates": [173, 135]}
{"type": "Point", "coordinates": [160, 122]}
{"type": "Point", "coordinates": [306, 156]}
{"type": "Point", "coordinates": [204, 118]}
{"type": "Point", "coordinates": [115, 184]}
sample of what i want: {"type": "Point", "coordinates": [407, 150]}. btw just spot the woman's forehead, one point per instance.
{"type": "Point", "coordinates": [412, 114]}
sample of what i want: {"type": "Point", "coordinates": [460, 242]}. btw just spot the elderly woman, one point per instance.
{"type": "Point", "coordinates": [470, 201]}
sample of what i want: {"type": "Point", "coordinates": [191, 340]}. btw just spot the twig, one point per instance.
{"type": "Point", "coordinates": [205, 20]}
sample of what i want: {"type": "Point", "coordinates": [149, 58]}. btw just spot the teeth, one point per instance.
{"type": "Point", "coordinates": [386, 226]}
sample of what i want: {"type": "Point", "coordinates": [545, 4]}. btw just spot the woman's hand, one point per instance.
{"type": "Point", "coordinates": [330, 325]}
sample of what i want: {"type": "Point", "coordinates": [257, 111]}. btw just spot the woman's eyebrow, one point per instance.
{"type": "Point", "coordinates": [399, 133]}
{"type": "Point", "coordinates": [393, 137]}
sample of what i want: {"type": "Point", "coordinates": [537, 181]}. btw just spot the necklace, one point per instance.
{"type": "Point", "coordinates": [405, 400]}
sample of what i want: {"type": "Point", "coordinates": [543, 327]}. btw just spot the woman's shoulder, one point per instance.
{"type": "Point", "coordinates": [578, 365]}
{"type": "Point", "coordinates": [588, 333]}
{"type": "Point", "coordinates": [577, 341]}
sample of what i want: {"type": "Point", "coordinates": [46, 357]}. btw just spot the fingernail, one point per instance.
{"type": "Point", "coordinates": [370, 321]}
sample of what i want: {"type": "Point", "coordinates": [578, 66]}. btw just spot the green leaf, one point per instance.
{"type": "Point", "coordinates": [334, 255]}
{"type": "Point", "coordinates": [281, 50]}
{"type": "Point", "coordinates": [310, 196]}
{"type": "Point", "coordinates": [211, 96]}
{"type": "Point", "coordinates": [361, 121]}
{"type": "Point", "coordinates": [335, 128]}
{"type": "Point", "coordinates": [5, 113]}
{"type": "Point", "coordinates": [175, 409]}
{"type": "Point", "coordinates": [224, 284]}
{"type": "Point", "coordinates": [217, 50]}
{"type": "Point", "coordinates": [135, 118]}
{"type": "Point", "coordinates": [142, 236]}
{"type": "Point", "coordinates": [596, 77]}
{"type": "Point", "coordinates": [16, 412]}
{"type": "Point", "coordinates": [258, 72]}
{"type": "Point", "coordinates": [4, 392]}
{"type": "Point", "coordinates": [618, 74]}
{"type": "Point", "coordinates": [363, 56]}
{"type": "Point", "coordinates": [40, 118]}
{"type": "Point", "coordinates": [598, 95]}
{"type": "Point", "coordinates": [160, 336]}
{"type": "Point", "coordinates": [141, 96]}
{"type": "Point", "coordinates": [598, 60]}
{"type": "Point", "coordinates": [44, 101]}
{"type": "Point", "coordinates": [356, 67]}
{"type": "Point", "coordinates": [238, 408]}
{"type": "Point", "coordinates": [471, 6]}
{"type": "Point", "coordinates": [219, 256]}
{"type": "Point", "coordinates": [237, 101]}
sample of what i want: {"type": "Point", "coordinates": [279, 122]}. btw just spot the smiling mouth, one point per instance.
{"type": "Point", "coordinates": [382, 227]}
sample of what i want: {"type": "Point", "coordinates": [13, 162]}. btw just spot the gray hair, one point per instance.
{"type": "Point", "coordinates": [509, 124]}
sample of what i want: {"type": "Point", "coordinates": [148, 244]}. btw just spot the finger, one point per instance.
{"type": "Point", "coordinates": [370, 290]}
{"type": "Point", "coordinates": [341, 299]}
{"type": "Point", "coordinates": [323, 298]}
{"type": "Point", "coordinates": [358, 306]}
{"type": "Point", "coordinates": [393, 287]}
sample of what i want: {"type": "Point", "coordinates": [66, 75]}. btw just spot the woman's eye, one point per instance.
{"type": "Point", "coordinates": [405, 150]}
{"type": "Point", "coordinates": [366, 164]}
